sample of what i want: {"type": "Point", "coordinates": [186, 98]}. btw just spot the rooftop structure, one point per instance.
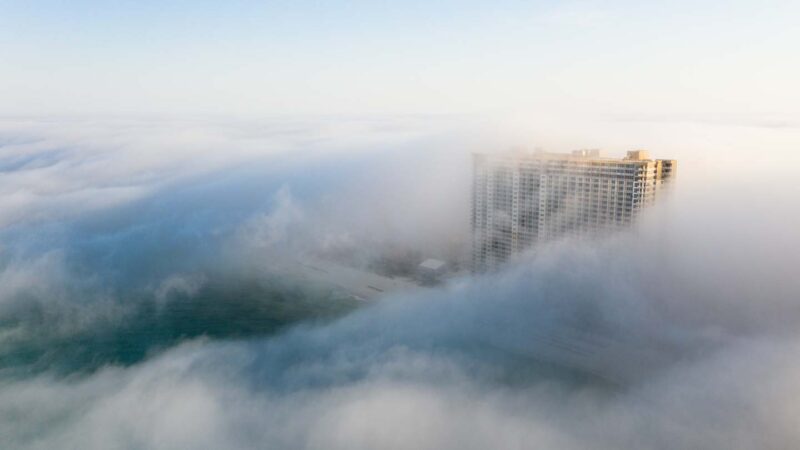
{"type": "Point", "coordinates": [521, 199]}
{"type": "Point", "coordinates": [431, 270]}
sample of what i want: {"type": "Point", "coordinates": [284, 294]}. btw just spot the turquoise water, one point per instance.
{"type": "Point", "coordinates": [41, 337]}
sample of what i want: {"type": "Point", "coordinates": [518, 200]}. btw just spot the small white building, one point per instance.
{"type": "Point", "coordinates": [431, 270]}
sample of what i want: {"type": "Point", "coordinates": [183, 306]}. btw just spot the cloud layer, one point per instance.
{"type": "Point", "coordinates": [164, 319]}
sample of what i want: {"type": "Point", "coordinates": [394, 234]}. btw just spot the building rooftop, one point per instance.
{"type": "Point", "coordinates": [590, 155]}
{"type": "Point", "coordinates": [433, 264]}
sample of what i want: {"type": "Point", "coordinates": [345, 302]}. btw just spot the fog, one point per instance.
{"type": "Point", "coordinates": [147, 298]}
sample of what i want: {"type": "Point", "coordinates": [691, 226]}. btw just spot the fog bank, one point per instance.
{"type": "Point", "coordinates": [144, 300]}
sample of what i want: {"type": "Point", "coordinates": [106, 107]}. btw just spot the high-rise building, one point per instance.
{"type": "Point", "coordinates": [521, 199]}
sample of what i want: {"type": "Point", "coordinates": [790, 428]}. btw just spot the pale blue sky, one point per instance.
{"type": "Point", "coordinates": [245, 57]}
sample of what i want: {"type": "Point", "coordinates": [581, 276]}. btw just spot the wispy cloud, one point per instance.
{"type": "Point", "coordinates": [682, 334]}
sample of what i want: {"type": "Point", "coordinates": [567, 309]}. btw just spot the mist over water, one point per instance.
{"type": "Point", "coordinates": [147, 298]}
{"type": "Point", "coordinates": [130, 329]}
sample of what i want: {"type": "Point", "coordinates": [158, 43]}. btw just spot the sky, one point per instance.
{"type": "Point", "coordinates": [414, 57]}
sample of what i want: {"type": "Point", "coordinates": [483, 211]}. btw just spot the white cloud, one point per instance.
{"type": "Point", "coordinates": [681, 335]}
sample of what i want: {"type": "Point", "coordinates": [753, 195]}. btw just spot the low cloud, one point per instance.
{"type": "Point", "coordinates": [680, 334]}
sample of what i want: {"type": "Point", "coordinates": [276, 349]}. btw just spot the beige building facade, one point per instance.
{"type": "Point", "coordinates": [522, 199]}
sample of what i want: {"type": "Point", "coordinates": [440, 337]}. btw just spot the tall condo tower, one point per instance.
{"type": "Point", "coordinates": [521, 199]}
